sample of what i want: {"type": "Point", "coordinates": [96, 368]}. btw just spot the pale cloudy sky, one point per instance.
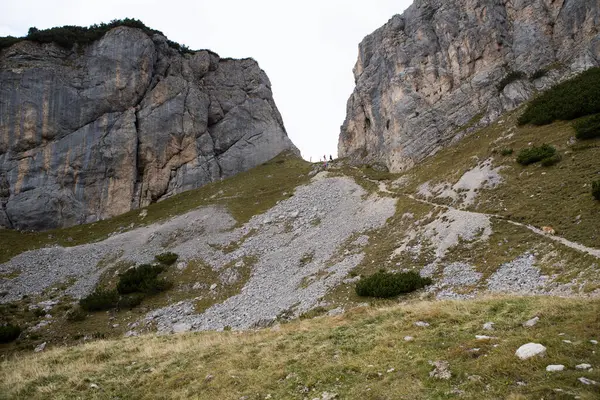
{"type": "Point", "coordinates": [307, 48]}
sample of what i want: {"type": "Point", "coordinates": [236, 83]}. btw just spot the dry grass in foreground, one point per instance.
{"type": "Point", "coordinates": [361, 355]}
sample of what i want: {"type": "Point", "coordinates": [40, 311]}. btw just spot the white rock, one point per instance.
{"type": "Point", "coordinates": [389, 371]}
{"type": "Point", "coordinates": [213, 286]}
{"type": "Point", "coordinates": [583, 366]}
{"type": "Point", "coordinates": [328, 396]}
{"type": "Point", "coordinates": [488, 326]}
{"type": "Point", "coordinates": [408, 338]}
{"type": "Point", "coordinates": [181, 327]}
{"type": "Point", "coordinates": [593, 341]}
{"type": "Point", "coordinates": [94, 386]}
{"type": "Point", "coordinates": [531, 322]}
{"type": "Point", "coordinates": [530, 350]}
{"type": "Point", "coordinates": [567, 341]}
{"type": "Point", "coordinates": [181, 266]}
{"type": "Point", "coordinates": [555, 368]}
{"type": "Point", "coordinates": [587, 381]}
{"type": "Point", "coordinates": [422, 324]}
{"type": "Point", "coordinates": [484, 337]}
{"type": "Point", "coordinates": [441, 370]}
{"type": "Point", "coordinates": [40, 347]}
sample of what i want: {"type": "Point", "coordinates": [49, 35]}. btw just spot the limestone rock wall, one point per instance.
{"type": "Point", "coordinates": [430, 73]}
{"type": "Point", "coordinates": [93, 132]}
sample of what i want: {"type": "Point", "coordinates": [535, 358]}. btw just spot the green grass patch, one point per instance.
{"type": "Point", "coordinates": [574, 98]}
{"type": "Point", "coordinates": [359, 355]}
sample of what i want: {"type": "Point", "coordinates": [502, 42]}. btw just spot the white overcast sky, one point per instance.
{"type": "Point", "coordinates": [307, 48]}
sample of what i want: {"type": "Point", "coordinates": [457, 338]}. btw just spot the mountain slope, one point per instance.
{"type": "Point", "coordinates": [365, 354]}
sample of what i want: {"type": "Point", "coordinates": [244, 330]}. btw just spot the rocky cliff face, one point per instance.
{"type": "Point", "coordinates": [93, 132]}
{"type": "Point", "coordinates": [431, 75]}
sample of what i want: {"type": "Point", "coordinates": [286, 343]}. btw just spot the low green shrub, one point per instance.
{"type": "Point", "coordinates": [574, 98]}
{"type": "Point", "coordinates": [142, 279]}
{"type": "Point", "coordinates": [167, 258]}
{"type": "Point", "coordinates": [588, 127]}
{"type": "Point", "coordinates": [596, 190]}
{"type": "Point", "coordinates": [9, 332]}
{"type": "Point", "coordinates": [130, 301]}
{"type": "Point", "coordinates": [76, 314]}
{"type": "Point", "coordinates": [535, 154]}
{"type": "Point", "coordinates": [386, 284]}
{"type": "Point", "coordinates": [510, 78]}
{"type": "Point", "coordinates": [100, 300]}
{"type": "Point", "coordinates": [552, 160]}
{"type": "Point", "coordinates": [39, 312]}
{"type": "Point", "coordinates": [506, 152]}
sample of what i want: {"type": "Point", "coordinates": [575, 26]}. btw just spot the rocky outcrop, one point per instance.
{"type": "Point", "coordinates": [431, 75]}
{"type": "Point", "coordinates": [95, 131]}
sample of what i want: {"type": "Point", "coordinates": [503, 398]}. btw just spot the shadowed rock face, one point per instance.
{"type": "Point", "coordinates": [93, 132]}
{"type": "Point", "coordinates": [428, 75]}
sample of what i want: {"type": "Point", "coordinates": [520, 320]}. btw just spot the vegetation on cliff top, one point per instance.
{"type": "Point", "coordinates": [69, 35]}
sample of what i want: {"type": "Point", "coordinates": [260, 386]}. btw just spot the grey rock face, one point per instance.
{"type": "Point", "coordinates": [427, 76]}
{"type": "Point", "coordinates": [93, 132]}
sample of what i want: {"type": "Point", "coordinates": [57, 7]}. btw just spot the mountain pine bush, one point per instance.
{"type": "Point", "coordinates": [100, 300]}
{"type": "Point", "coordinates": [9, 332]}
{"type": "Point", "coordinates": [588, 127]}
{"type": "Point", "coordinates": [142, 279]}
{"type": "Point", "coordinates": [167, 258]}
{"type": "Point", "coordinates": [387, 284]}
{"type": "Point", "coordinates": [69, 35]}
{"type": "Point", "coordinates": [571, 99]}
{"type": "Point", "coordinates": [596, 190]}
{"type": "Point", "coordinates": [535, 154]}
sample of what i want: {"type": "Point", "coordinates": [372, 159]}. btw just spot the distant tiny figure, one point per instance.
{"type": "Point", "coordinates": [325, 158]}
{"type": "Point", "coordinates": [330, 158]}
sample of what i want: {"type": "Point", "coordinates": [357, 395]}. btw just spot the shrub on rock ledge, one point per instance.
{"type": "Point", "coordinates": [389, 284]}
